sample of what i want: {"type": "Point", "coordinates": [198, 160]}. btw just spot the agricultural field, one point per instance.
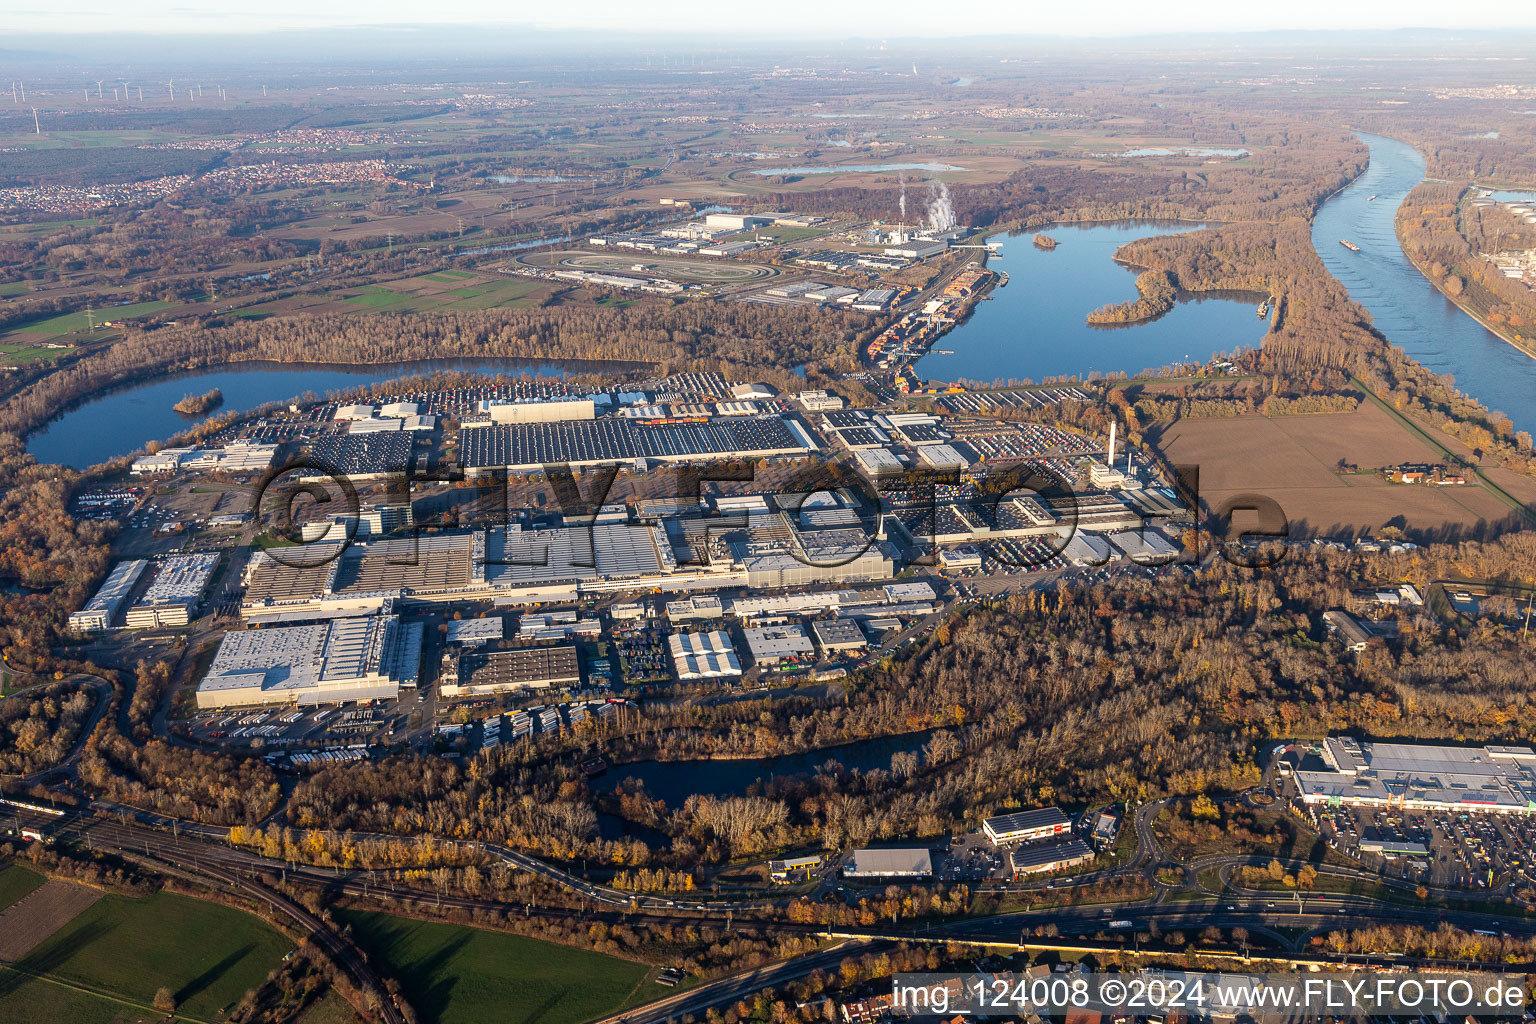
{"type": "Point", "coordinates": [458, 975]}
{"type": "Point", "coordinates": [441, 292]}
{"type": "Point", "coordinates": [71, 322]}
{"type": "Point", "coordinates": [1294, 460]}
{"type": "Point", "coordinates": [106, 964]}
{"type": "Point", "coordinates": [15, 882]}
{"type": "Point", "coordinates": [22, 355]}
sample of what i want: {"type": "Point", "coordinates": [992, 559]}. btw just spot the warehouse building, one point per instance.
{"type": "Point", "coordinates": [888, 864]}
{"type": "Point", "coordinates": [704, 655]}
{"type": "Point", "coordinates": [839, 635]}
{"type": "Point", "coordinates": [1026, 826]}
{"type": "Point", "coordinates": [1416, 776]}
{"type": "Point", "coordinates": [474, 632]}
{"type": "Point", "coordinates": [1145, 547]}
{"type": "Point", "coordinates": [1038, 858]}
{"type": "Point", "coordinates": [480, 673]}
{"type": "Point", "coordinates": [350, 659]}
{"type": "Point", "coordinates": [101, 611]}
{"type": "Point", "coordinates": [550, 411]}
{"type": "Point", "coordinates": [770, 645]}
{"type": "Point", "coordinates": [1086, 549]}
{"type": "Point", "coordinates": [172, 599]}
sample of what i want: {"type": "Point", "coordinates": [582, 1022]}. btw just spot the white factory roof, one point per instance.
{"type": "Point", "coordinates": [1498, 777]}
{"type": "Point", "coordinates": [340, 659]}
{"type": "Point", "coordinates": [942, 456]}
{"type": "Point", "coordinates": [374, 426]}
{"type": "Point", "coordinates": [181, 579]}
{"type": "Point", "coordinates": [890, 863]}
{"type": "Point", "coordinates": [704, 655]}
{"type": "Point", "coordinates": [354, 412]}
{"type": "Point", "coordinates": [773, 642]}
{"type": "Point", "coordinates": [877, 461]}
{"type": "Point", "coordinates": [1144, 544]}
{"type": "Point", "coordinates": [1086, 549]}
{"type": "Point", "coordinates": [400, 409]}
{"type": "Point", "coordinates": [476, 631]}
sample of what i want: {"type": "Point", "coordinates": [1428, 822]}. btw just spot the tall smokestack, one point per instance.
{"type": "Point", "coordinates": [1110, 462]}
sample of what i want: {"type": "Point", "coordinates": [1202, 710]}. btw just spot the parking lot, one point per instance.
{"type": "Point", "coordinates": [280, 727]}
{"type": "Point", "coordinates": [1464, 848]}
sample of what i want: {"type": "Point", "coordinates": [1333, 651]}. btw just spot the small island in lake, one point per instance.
{"type": "Point", "coordinates": [1158, 288]}
{"type": "Point", "coordinates": [1045, 242]}
{"type": "Point", "coordinates": [194, 404]}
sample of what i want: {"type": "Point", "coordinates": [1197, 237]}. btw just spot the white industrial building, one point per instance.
{"type": "Point", "coordinates": [889, 864]}
{"type": "Point", "coordinates": [878, 461]}
{"type": "Point", "coordinates": [550, 411]}
{"type": "Point", "coordinates": [173, 597]}
{"type": "Point", "coordinates": [354, 412]}
{"type": "Point", "coordinates": [235, 457]}
{"type": "Point", "coordinates": [839, 635]}
{"type": "Point", "coordinates": [473, 632]}
{"type": "Point", "coordinates": [736, 221]}
{"type": "Point", "coordinates": [1086, 549]}
{"type": "Point", "coordinates": [770, 645]}
{"type": "Point", "coordinates": [942, 457]}
{"type": "Point", "coordinates": [1145, 546]}
{"type": "Point", "coordinates": [101, 611]}
{"type": "Point", "coordinates": [350, 659]}
{"type": "Point", "coordinates": [704, 655]}
{"type": "Point", "coordinates": [1416, 776]}
{"type": "Point", "coordinates": [819, 400]}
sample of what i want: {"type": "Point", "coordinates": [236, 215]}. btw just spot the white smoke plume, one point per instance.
{"type": "Point", "coordinates": [941, 212]}
{"type": "Point", "coordinates": [903, 201]}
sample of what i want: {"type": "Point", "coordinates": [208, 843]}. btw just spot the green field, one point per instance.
{"type": "Point", "coordinates": [78, 321]}
{"type": "Point", "coordinates": [114, 956]}
{"type": "Point", "coordinates": [15, 882]}
{"type": "Point", "coordinates": [13, 289]}
{"type": "Point", "coordinates": [457, 975]}
{"type": "Point", "coordinates": [21, 355]}
{"type": "Point", "coordinates": [409, 297]}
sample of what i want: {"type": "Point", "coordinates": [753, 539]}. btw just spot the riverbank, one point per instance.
{"type": "Point", "coordinates": [1528, 348]}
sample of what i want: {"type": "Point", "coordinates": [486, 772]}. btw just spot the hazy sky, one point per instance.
{"type": "Point", "coordinates": [863, 18]}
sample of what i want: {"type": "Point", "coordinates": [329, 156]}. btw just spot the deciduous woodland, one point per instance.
{"type": "Point", "coordinates": [1133, 691]}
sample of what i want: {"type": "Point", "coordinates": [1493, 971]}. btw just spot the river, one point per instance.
{"type": "Point", "coordinates": [1035, 328]}
{"type": "Point", "coordinates": [129, 417]}
{"type": "Point", "coordinates": [1405, 307]}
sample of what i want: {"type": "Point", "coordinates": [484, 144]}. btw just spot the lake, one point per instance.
{"type": "Point", "coordinates": [674, 781]}
{"type": "Point", "coordinates": [127, 418]}
{"type": "Point", "coordinates": [1405, 307]}
{"type": "Point", "coordinates": [1034, 327]}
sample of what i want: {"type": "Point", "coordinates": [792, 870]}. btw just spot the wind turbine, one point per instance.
{"type": "Point", "coordinates": [98, 90]}
{"type": "Point", "coordinates": [171, 85]}
{"type": "Point", "coordinates": [36, 124]}
{"type": "Point", "coordinates": [13, 93]}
